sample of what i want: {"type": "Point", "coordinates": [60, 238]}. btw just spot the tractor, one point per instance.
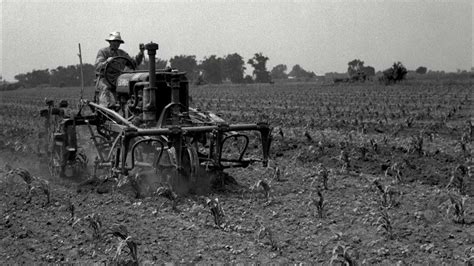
{"type": "Point", "coordinates": [151, 127]}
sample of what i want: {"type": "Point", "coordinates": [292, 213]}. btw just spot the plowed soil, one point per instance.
{"type": "Point", "coordinates": [417, 227]}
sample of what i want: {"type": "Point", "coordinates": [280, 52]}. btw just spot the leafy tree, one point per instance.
{"type": "Point", "coordinates": [369, 71]}
{"type": "Point", "coordinates": [233, 67]}
{"type": "Point", "coordinates": [258, 62]}
{"type": "Point", "coordinates": [33, 78]}
{"type": "Point", "coordinates": [39, 77]}
{"type": "Point", "coordinates": [421, 70]}
{"type": "Point", "coordinates": [185, 63]}
{"type": "Point", "coordinates": [394, 74]}
{"type": "Point", "coordinates": [358, 72]}
{"type": "Point", "coordinates": [71, 75]}
{"type": "Point", "coordinates": [298, 72]}
{"type": "Point", "coordinates": [212, 69]}
{"type": "Point", "coordinates": [279, 72]}
{"type": "Point", "coordinates": [22, 78]}
{"type": "Point", "coordinates": [355, 67]}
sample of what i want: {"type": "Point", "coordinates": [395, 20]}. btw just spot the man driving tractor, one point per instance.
{"type": "Point", "coordinates": [104, 90]}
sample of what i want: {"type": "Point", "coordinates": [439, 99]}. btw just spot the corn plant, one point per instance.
{"type": "Point", "coordinates": [169, 194]}
{"type": "Point", "coordinates": [33, 183]}
{"type": "Point", "coordinates": [43, 186]}
{"type": "Point", "coordinates": [469, 256]}
{"type": "Point", "coordinates": [264, 186]}
{"type": "Point", "coordinates": [384, 223]}
{"type": "Point", "coordinates": [363, 152]}
{"type": "Point", "coordinates": [280, 132]}
{"type": "Point", "coordinates": [265, 232]}
{"type": "Point", "coordinates": [95, 222]}
{"type": "Point", "coordinates": [121, 232]}
{"type": "Point", "coordinates": [457, 208]}
{"type": "Point", "coordinates": [387, 194]}
{"type": "Point", "coordinates": [374, 145]}
{"type": "Point", "coordinates": [71, 208]}
{"type": "Point", "coordinates": [416, 144]}
{"type": "Point", "coordinates": [277, 174]}
{"type": "Point", "coordinates": [409, 121]}
{"type": "Point", "coordinates": [459, 174]}
{"type": "Point", "coordinates": [341, 256]}
{"type": "Point", "coordinates": [463, 145]}
{"type": "Point", "coordinates": [324, 174]}
{"type": "Point", "coordinates": [345, 160]}
{"type": "Point", "coordinates": [216, 211]}
{"type": "Point", "coordinates": [319, 203]}
{"type": "Point", "coordinates": [308, 136]}
{"type": "Point", "coordinates": [395, 170]}
{"type": "Point", "coordinates": [468, 131]}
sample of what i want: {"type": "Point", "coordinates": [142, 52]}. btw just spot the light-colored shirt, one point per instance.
{"type": "Point", "coordinates": [107, 52]}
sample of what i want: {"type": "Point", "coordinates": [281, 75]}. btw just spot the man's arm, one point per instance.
{"type": "Point", "coordinates": [100, 60]}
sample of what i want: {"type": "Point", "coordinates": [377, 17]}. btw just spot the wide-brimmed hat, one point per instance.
{"type": "Point", "coordinates": [114, 36]}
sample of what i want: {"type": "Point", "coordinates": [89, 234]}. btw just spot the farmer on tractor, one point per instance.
{"type": "Point", "coordinates": [105, 92]}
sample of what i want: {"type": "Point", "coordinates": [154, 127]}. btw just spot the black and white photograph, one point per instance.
{"type": "Point", "coordinates": [252, 132]}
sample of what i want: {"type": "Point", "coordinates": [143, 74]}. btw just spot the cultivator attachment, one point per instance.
{"type": "Point", "coordinates": [151, 127]}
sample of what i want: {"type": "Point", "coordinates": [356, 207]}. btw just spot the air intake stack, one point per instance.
{"type": "Point", "coordinates": [149, 93]}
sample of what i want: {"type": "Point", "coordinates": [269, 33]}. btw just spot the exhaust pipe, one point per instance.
{"type": "Point", "coordinates": [149, 93]}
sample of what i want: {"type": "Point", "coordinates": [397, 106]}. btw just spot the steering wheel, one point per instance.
{"type": "Point", "coordinates": [115, 66]}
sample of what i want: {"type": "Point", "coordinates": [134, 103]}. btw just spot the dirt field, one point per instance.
{"type": "Point", "coordinates": [386, 154]}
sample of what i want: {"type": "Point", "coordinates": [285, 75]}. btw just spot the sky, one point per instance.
{"type": "Point", "coordinates": [320, 36]}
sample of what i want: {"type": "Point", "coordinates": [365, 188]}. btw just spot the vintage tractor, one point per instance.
{"type": "Point", "coordinates": [152, 126]}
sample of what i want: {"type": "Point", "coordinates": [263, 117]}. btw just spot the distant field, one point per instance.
{"type": "Point", "coordinates": [374, 109]}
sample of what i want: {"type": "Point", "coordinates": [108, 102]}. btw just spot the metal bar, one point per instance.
{"type": "Point", "coordinates": [93, 136]}
{"type": "Point", "coordinates": [184, 130]}
{"type": "Point", "coordinates": [113, 114]}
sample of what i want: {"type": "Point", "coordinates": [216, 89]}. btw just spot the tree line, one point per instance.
{"type": "Point", "coordinates": [212, 69]}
